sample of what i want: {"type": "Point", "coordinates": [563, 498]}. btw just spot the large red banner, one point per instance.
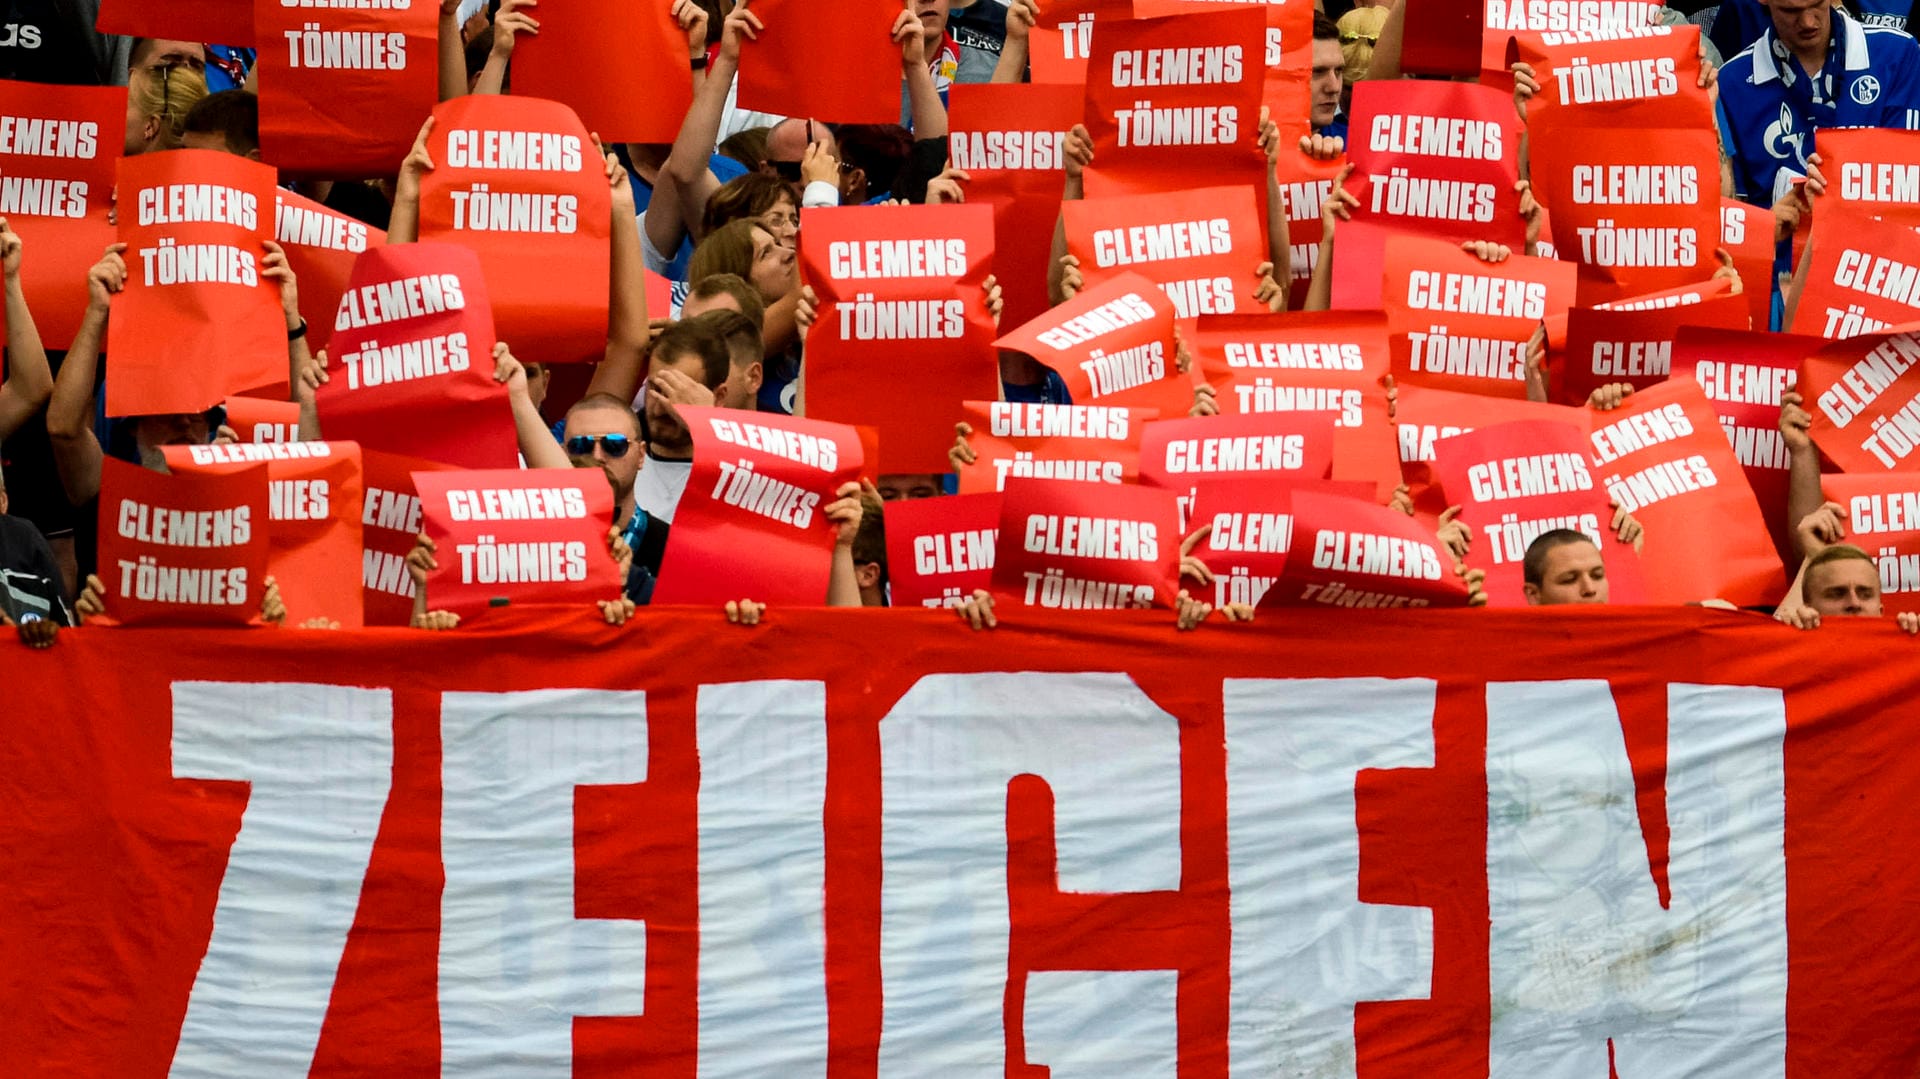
{"type": "Point", "coordinates": [518, 182]}
{"type": "Point", "coordinates": [1606, 346]}
{"type": "Point", "coordinates": [1882, 516]}
{"type": "Point", "coordinates": [343, 86]}
{"type": "Point", "coordinates": [902, 301]}
{"type": "Point", "coordinates": [940, 550]}
{"type": "Point", "coordinates": [1438, 159]}
{"type": "Point", "coordinates": [1112, 344]}
{"type": "Point", "coordinates": [1865, 274]}
{"type": "Point", "coordinates": [1066, 844]}
{"type": "Point", "coordinates": [1199, 245]}
{"type": "Point", "coordinates": [622, 67]}
{"type": "Point", "coordinates": [858, 84]}
{"type": "Point", "coordinates": [58, 149]}
{"type": "Point", "coordinates": [182, 549]}
{"type": "Point", "coordinates": [1082, 547]}
{"type": "Point", "coordinates": [196, 321]}
{"type": "Point", "coordinates": [1862, 393]}
{"type": "Point", "coordinates": [1085, 443]}
{"type": "Point", "coordinates": [321, 245]}
{"type": "Point", "coordinates": [1745, 375]}
{"type": "Point", "coordinates": [522, 536]}
{"type": "Point", "coordinates": [1458, 322]}
{"type": "Point", "coordinates": [1008, 139]}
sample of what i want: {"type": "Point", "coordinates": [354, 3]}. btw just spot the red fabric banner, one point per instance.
{"type": "Point", "coordinates": [1861, 392]}
{"type": "Point", "coordinates": [1746, 233]}
{"type": "Point", "coordinates": [1112, 344]}
{"type": "Point", "coordinates": [1870, 168]}
{"type": "Point", "coordinates": [1607, 75]}
{"type": "Point", "coordinates": [184, 549]}
{"type": "Point", "coordinates": [1423, 416]}
{"type": "Point", "coordinates": [1664, 458]}
{"type": "Point", "coordinates": [1346, 552]}
{"type": "Point", "coordinates": [258, 420]}
{"type": "Point", "coordinates": [861, 84]}
{"type": "Point", "coordinates": [343, 86]}
{"type": "Point", "coordinates": [58, 149]}
{"type": "Point", "coordinates": [1008, 139]}
{"type": "Point", "coordinates": [229, 22]}
{"type": "Point", "coordinates": [1249, 527]}
{"type": "Point", "coordinates": [196, 321]}
{"type": "Point", "coordinates": [1179, 455]}
{"type": "Point", "coordinates": [1865, 275]}
{"type": "Point", "coordinates": [1517, 481]}
{"type": "Point", "coordinates": [1883, 518]}
{"type": "Point", "coordinates": [1744, 375]}
{"type": "Point", "coordinates": [750, 525]}
{"type": "Point", "coordinates": [1633, 346]}
{"type": "Point", "coordinates": [1443, 39]}
{"type": "Point", "coordinates": [621, 67]}
{"type": "Point", "coordinates": [391, 523]}
{"type": "Point", "coordinates": [940, 550]}
{"type": "Point", "coordinates": [903, 298]}
{"type": "Point", "coordinates": [412, 372]}
{"type": "Point", "coordinates": [1085, 443]}
{"type": "Point", "coordinates": [1437, 158]}
{"type": "Point", "coordinates": [529, 537]}
{"type": "Point", "coordinates": [1074, 547]}
{"type": "Point", "coordinates": [321, 246]}
{"type": "Point", "coordinates": [518, 183]}
{"type": "Point", "coordinates": [1173, 98]}
{"type": "Point", "coordinates": [1200, 245]}
{"type": "Point", "coordinates": [1459, 323]}
{"type": "Point", "coordinates": [313, 523]}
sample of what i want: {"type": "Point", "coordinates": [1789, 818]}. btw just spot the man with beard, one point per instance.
{"type": "Point", "coordinates": [689, 366]}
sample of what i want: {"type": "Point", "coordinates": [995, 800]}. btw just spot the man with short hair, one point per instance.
{"type": "Point", "coordinates": [1328, 80]}
{"type": "Point", "coordinates": [725, 292]}
{"type": "Point", "coordinates": [689, 366]}
{"type": "Point", "coordinates": [226, 122]}
{"type": "Point", "coordinates": [1562, 567]}
{"type": "Point", "coordinates": [601, 431]}
{"type": "Point", "coordinates": [1838, 580]}
{"type": "Point", "coordinates": [744, 355]}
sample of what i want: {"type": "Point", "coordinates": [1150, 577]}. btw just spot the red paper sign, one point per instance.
{"type": "Point", "coordinates": [258, 420]}
{"type": "Point", "coordinates": [58, 147]}
{"type": "Point", "coordinates": [1745, 375]}
{"type": "Point", "coordinates": [1861, 392]}
{"type": "Point", "coordinates": [1883, 518]}
{"type": "Point", "coordinates": [1570, 19]}
{"type": "Point", "coordinates": [1061, 44]}
{"type": "Point", "coordinates": [1008, 138]}
{"type": "Point", "coordinates": [1870, 168]}
{"type": "Point", "coordinates": [411, 371]}
{"type": "Point", "coordinates": [1442, 39]}
{"type": "Point", "coordinates": [860, 84]}
{"type": "Point", "coordinates": [314, 511]}
{"type": "Point", "coordinates": [1112, 344]}
{"type": "Point", "coordinates": [1607, 75]}
{"type": "Point", "coordinates": [321, 246]}
{"type": "Point", "coordinates": [940, 550]}
{"type": "Point", "coordinates": [1437, 158]}
{"type": "Point", "coordinates": [1179, 455]}
{"type": "Point", "coordinates": [1305, 182]}
{"type": "Point", "coordinates": [621, 67]}
{"type": "Point", "coordinates": [750, 525]}
{"type": "Point", "coordinates": [1663, 457]}
{"type": "Point", "coordinates": [903, 299]}
{"type": "Point", "coordinates": [523, 536]}
{"type": "Point", "coordinates": [196, 321]}
{"type": "Point", "coordinates": [1074, 547]}
{"type": "Point", "coordinates": [1865, 275]}
{"type": "Point", "coordinates": [1289, 54]}
{"type": "Point", "coordinates": [391, 522]}
{"type": "Point", "coordinates": [343, 86]}
{"type": "Point", "coordinates": [1633, 346]}
{"type": "Point", "coordinates": [226, 21]}
{"type": "Point", "coordinates": [1422, 417]}
{"type": "Point", "coordinates": [1084, 443]}
{"type": "Point", "coordinates": [1518, 481]}
{"type": "Point", "coordinates": [1201, 246]}
{"type": "Point", "coordinates": [1173, 98]}
{"type": "Point", "coordinates": [1349, 553]}
{"type": "Point", "coordinates": [1249, 527]}
{"type": "Point", "coordinates": [1459, 323]}
{"type": "Point", "coordinates": [518, 183]}
{"type": "Point", "coordinates": [185, 549]}
{"type": "Point", "coordinates": [1746, 233]}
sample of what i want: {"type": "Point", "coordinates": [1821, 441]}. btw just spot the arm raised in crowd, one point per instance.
{"type": "Point", "coordinates": [1338, 206]}
{"type": "Point", "coordinates": [628, 327]}
{"type": "Point", "coordinates": [1016, 50]}
{"type": "Point", "coordinates": [511, 21]}
{"type": "Point", "coordinates": [453, 52]}
{"type": "Point", "coordinates": [403, 226]}
{"type": "Point", "coordinates": [76, 452]}
{"type": "Point", "coordinates": [1078, 151]}
{"type": "Point", "coordinates": [29, 382]}
{"type": "Point", "coordinates": [685, 182]}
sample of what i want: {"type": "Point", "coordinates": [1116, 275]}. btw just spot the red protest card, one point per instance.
{"type": "Point", "coordinates": [1443, 39]}
{"type": "Point", "coordinates": [1507, 19]}
{"type": "Point", "coordinates": [313, 523]}
{"type": "Point", "coordinates": [1008, 138]}
{"type": "Point", "coordinates": [526, 537]}
{"type": "Point", "coordinates": [343, 87]}
{"type": "Point", "coordinates": [1112, 344]}
{"type": "Point", "coordinates": [1861, 393]}
{"type": "Point", "coordinates": [1178, 455]}
{"type": "Point", "coordinates": [751, 523]}
{"type": "Point", "coordinates": [196, 321]}
{"type": "Point", "coordinates": [1883, 518]}
{"type": "Point", "coordinates": [622, 67]}
{"type": "Point", "coordinates": [1305, 182]}
{"type": "Point", "coordinates": [1437, 158]}
{"type": "Point", "coordinates": [185, 549]}
{"type": "Point", "coordinates": [940, 550]}
{"type": "Point", "coordinates": [411, 370]}
{"type": "Point", "coordinates": [1634, 346]}
{"type": "Point", "coordinates": [902, 299]}
{"type": "Point", "coordinates": [1248, 526]}
{"type": "Point", "coordinates": [58, 147]}
{"type": "Point", "coordinates": [229, 22]}
{"type": "Point", "coordinates": [257, 419]}
{"type": "Point", "coordinates": [1061, 44]}
{"type": "Point", "coordinates": [1746, 233]}
{"type": "Point", "coordinates": [321, 246]}
{"type": "Point", "coordinates": [1360, 266]}
{"type": "Point", "coordinates": [1201, 246]}
{"type": "Point", "coordinates": [1424, 416]}
{"type": "Point", "coordinates": [1459, 323]}
{"type": "Point", "coordinates": [1077, 547]}
{"type": "Point", "coordinates": [518, 183]}
{"type": "Point", "coordinates": [391, 522]}
{"type": "Point", "coordinates": [1515, 482]}
{"type": "Point", "coordinates": [1172, 98]}
{"type": "Point", "coordinates": [1084, 443]}
{"type": "Point", "coordinates": [1664, 459]}
{"type": "Point", "coordinates": [1865, 274]}
{"type": "Point", "coordinates": [1870, 168]}
{"type": "Point", "coordinates": [1605, 76]}
{"type": "Point", "coordinates": [1346, 552]}
{"type": "Point", "coordinates": [861, 83]}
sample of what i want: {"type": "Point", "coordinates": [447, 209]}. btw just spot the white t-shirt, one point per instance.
{"type": "Point", "coordinates": [658, 486]}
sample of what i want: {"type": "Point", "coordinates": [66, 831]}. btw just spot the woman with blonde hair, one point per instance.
{"type": "Point", "coordinates": [1359, 33]}
{"type": "Point", "coordinates": [158, 99]}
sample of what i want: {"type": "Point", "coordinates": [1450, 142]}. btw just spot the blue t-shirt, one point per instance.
{"type": "Point", "coordinates": [723, 168]}
{"type": "Point", "coordinates": [1050, 390]}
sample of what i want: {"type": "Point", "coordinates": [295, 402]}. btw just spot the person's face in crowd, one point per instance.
{"type": "Point", "coordinates": [621, 466]}
{"type": "Point", "coordinates": [539, 377]}
{"type": "Point", "coordinates": [1328, 67]}
{"type": "Point", "coordinates": [1804, 25]}
{"type": "Point", "coordinates": [776, 268]}
{"type": "Point", "coordinates": [663, 424]}
{"type": "Point", "coordinates": [1573, 574]}
{"type": "Point", "coordinates": [152, 433]}
{"type": "Point", "coordinates": [898, 486]}
{"type": "Point", "coordinates": [933, 16]}
{"type": "Point", "coordinates": [1847, 587]}
{"type": "Point", "coordinates": [783, 222]}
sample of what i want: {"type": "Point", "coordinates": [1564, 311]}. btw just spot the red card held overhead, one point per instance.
{"type": "Point", "coordinates": [182, 549]}
{"type": "Point", "coordinates": [1745, 375]}
{"type": "Point", "coordinates": [1084, 443]}
{"type": "Point", "coordinates": [411, 370]}
{"type": "Point", "coordinates": [1460, 323]}
{"type": "Point", "coordinates": [1870, 167]}
{"type": "Point", "coordinates": [1178, 455]}
{"type": "Point", "coordinates": [197, 321]}
{"type": "Point", "coordinates": [321, 246]}
{"type": "Point", "coordinates": [527, 537]}
{"type": "Point", "coordinates": [1201, 246]}
{"type": "Point", "coordinates": [1074, 547]}
{"type": "Point", "coordinates": [752, 523]}
{"type": "Point", "coordinates": [1112, 345]}
{"type": "Point", "coordinates": [1882, 515]}
{"type": "Point", "coordinates": [1746, 233]}
{"type": "Point", "coordinates": [229, 22]}
{"type": "Point", "coordinates": [1437, 158]}
{"type": "Point", "coordinates": [1008, 138]}
{"type": "Point", "coordinates": [391, 524]}
{"type": "Point", "coordinates": [260, 420]}
{"type": "Point", "coordinates": [902, 299]}
{"type": "Point", "coordinates": [1865, 275]}
{"type": "Point", "coordinates": [941, 550]}
{"type": "Point", "coordinates": [344, 86]}
{"type": "Point", "coordinates": [1505, 18]}
{"type": "Point", "coordinates": [1606, 75]}
{"type": "Point", "coordinates": [621, 66]}
{"type": "Point", "coordinates": [1443, 39]}
{"type": "Point", "coordinates": [1349, 553]}
{"type": "Point", "coordinates": [59, 176]}
{"type": "Point", "coordinates": [1611, 346]}
{"type": "Point", "coordinates": [860, 84]}
{"type": "Point", "coordinates": [1248, 526]}
{"type": "Point", "coordinates": [519, 183]}
{"type": "Point", "coordinates": [1862, 394]}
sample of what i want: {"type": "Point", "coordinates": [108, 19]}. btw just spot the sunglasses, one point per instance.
{"type": "Point", "coordinates": [615, 445]}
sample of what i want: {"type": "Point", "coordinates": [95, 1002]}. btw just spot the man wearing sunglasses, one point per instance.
{"type": "Point", "coordinates": [805, 154]}
{"type": "Point", "coordinates": [602, 432]}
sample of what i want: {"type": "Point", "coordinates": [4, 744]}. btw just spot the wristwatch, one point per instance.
{"type": "Point", "coordinates": [295, 335]}
{"type": "Point", "coordinates": [699, 62]}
